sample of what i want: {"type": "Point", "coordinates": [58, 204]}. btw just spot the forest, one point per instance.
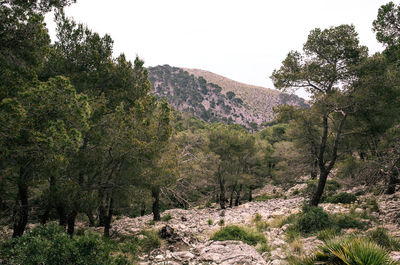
{"type": "Point", "coordinates": [85, 142]}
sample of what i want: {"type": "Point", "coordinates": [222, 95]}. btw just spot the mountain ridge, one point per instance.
{"type": "Point", "coordinates": [215, 98]}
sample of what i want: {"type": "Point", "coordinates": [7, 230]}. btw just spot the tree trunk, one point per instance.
{"type": "Point", "coordinates": [45, 216]}
{"type": "Point", "coordinates": [320, 189]}
{"type": "Point", "coordinates": [222, 193]}
{"type": "Point", "coordinates": [102, 209]}
{"type": "Point", "coordinates": [71, 223]}
{"type": "Point", "coordinates": [142, 208]}
{"type": "Point", "coordinates": [250, 194]}
{"type": "Point", "coordinates": [391, 188]}
{"type": "Point", "coordinates": [314, 169]}
{"type": "Point", "coordinates": [155, 193]}
{"type": "Point", "coordinates": [108, 219]}
{"type": "Point", "coordinates": [91, 219]}
{"type": "Point", "coordinates": [323, 169]}
{"type": "Point", "coordinates": [237, 200]}
{"type": "Point", "coordinates": [63, 219]}
{"type": "Point", "coordinates": [231, 197]}
{"type": "Point", "coordinates": [21, 210]}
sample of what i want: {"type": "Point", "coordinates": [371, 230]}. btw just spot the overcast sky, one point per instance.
{"type": "Point", "coordinates": [244, 40]}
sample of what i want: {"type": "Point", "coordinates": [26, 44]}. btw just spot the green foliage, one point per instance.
{"type": "Point", "coordinates": [166, 217]}
{"type": "Point", "coordinates": [244, 234]}
{"type": "Point", "coordinates": [331, 187]}
{"type": "Point", "coordinates": [51, 245]}
{"type": "Point", "coordinates": [358, 251]}
{"type": "Point", "coordinates": [150, 241]}
{"type": "Point", "coordinates": [312, 219]}
{"type": "Point", "coordinates": [259, 223]}
{"type": "Point", "coordinates": [221, 222]}
{"type": "Point", "coordinates": [210, 222]}
{"type": "Point", "coordinates": [315, 220]}
{"type": "Point", "coordinates": [387, 24]}
{"type": "Point", "coordinates": [372, 205]}
{"type": "Point", "coordinates": [327, 234]}
{"type": "Point", "coordinates": [344, 221]}
{"type": "Point", "coordinates": [265, 197]}
{"type": "Point", "coordinates": [381, 237]}
{"type": "Point", "coordinates": [341, 197]}
{"type": "Point", "coordinates": [230, 94]}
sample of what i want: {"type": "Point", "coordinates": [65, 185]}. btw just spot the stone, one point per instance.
{"type": "Point", "coordinates": [359, 210]}
{"type": "Point", "coordinates": [229, 252]}
{"type": "Point", "coordinates": [167, 232]}
{"type": "Point", "coordinates": [182, 255]}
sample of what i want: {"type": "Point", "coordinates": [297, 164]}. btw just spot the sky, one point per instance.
{"type": "Point", "coordinates": [244, 40]}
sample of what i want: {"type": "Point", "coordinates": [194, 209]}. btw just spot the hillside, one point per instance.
{"type": "Point", "coordinates": [212, 97]}
{"type": "Point", "coordinates": [259, 99]}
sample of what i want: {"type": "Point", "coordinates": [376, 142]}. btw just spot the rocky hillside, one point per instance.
{"type": "Point", "coordinates": [187, 233]}
{"type": "Point", "coordinates": [215, 98]}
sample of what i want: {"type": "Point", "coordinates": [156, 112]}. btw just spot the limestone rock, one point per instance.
{"type": "Point", "coordinates": [229, 253]}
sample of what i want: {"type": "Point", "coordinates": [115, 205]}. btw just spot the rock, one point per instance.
{"type": "Point", "coordinates": [229, 253]}
{"type": "Point", "coordinates": [276, 262]}
{"type": "Point", "coordinates": [182, 255]}
{"type": "Point", "coordinates": [277, 242]}
{"type": "Point", "coordinates": [167, 232]}
{"type": "Point", "coordinates": [395, 255]}
{"type": "Point", "coordinates": [159, 258]}
{"type": "Point", "coordinates": [359, 210]}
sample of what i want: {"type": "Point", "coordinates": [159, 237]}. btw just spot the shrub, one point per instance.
{"type": "Point", "coordinates": [166, 217]}
{"type": "Point", "coordinates": [221, 222]}
{"type": "Point", "coordinates": [210, 222]}
{"type": "Point", "coordinates": [262, 226]}
{"type": "Point", "coordinates": [344, 221]}
{"type": "Point", "coordinates": [358, 251]}
{"type": "Point", "coordinates": [312, 219]}
{"type": "Point", "coordinates": [257, 217]}
{"type": "Point", "coordinates": [372, 205]}
{"type": "Point", "coordinates": [341, 197]}
{"type": "Point", "coordinates": [327, 234]}
{"type": "Point", "coordinates": [278, 221]}
{"type": "Point", "coordinates": [244, 234]}
{"type": "Point", "coordinates": [150, 241]}
{"type": "Point", "coordinates": [263, 247]}
{"type": "Point", "coordinates": [51, 245]}
{"type": "Point", "coordinates": [381, 237]}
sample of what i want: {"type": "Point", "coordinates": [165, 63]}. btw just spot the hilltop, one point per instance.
{"type": "Point", "coordinates": [215, 98]}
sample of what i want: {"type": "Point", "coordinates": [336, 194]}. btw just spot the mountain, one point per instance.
{"type": "Point", "coordinates": [212, 97]}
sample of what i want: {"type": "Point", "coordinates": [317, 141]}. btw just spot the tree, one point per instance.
{"type": "Point", "coordinates": [235, 149]}
{"type": "Point", "coordinates": [387, 25]}
{"type": "Point", "coordinates": [327, 71]}
{"type": "Point", "coordinates": [51, 120]}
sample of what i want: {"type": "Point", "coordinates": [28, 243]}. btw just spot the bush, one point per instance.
{"type": "Point", "coordinates": [244, 234]}
{"type": "Point", "coordinates": [312, 219]}
{"type": "Point", "coordinates": [372, 205]}
{"type": "Point", "coordinates": [357, 251]}
{"type": "Point", "coordinates": [210, 222]}
{"type": "Point", "coordinates": [166, 217]}
{"type": "Point", "coordinates": [265, 197]}
{"type": "Point", "coordinates": [221, 222]}
{"type": "Point", "coordinates": [150, 241]}
{"type": "Point", "coordinates": [327, 234]}
{"type": "Point", "coordinates": [381, 237]}
{"type": "Point", "coordinates": [342, 197]}
{"type": "Point", "coordinates": [51, 245]}
{"type": "Point", "coordinates": [344, 221]}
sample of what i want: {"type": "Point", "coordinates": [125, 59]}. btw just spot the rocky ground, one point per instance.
{"type": "Point", "coordinates": [188, 232]}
